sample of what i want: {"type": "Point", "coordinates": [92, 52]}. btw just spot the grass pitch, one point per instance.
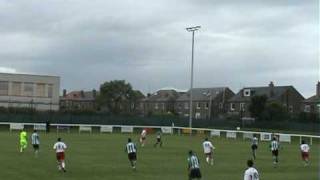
{"type": "Point", "coordinates": [102, 156]}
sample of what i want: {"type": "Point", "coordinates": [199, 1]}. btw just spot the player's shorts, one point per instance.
{"type": "Point", "coordinates": [254, 147]}
{"type": "Point", "coordinates": [132, 156]}
{"type": "Point", "coordinates": [195, 173]}
{"type": "Point", "coordinates": [275, 153]}
{"type": "Point", "coordinates": [60, 156]}
{"type": "Point", "coordinates": [23, 143]}
{"type": "Point", "coordinates": [143, 138]}
{"type": "Point", "coordinates": [36, 146]}
{"type": "Point", "coordinates": [208, 154]}
{"type": "Point", "coordinates": [158, 140]}
{"type": "Point", "coordinates": [305, 155]}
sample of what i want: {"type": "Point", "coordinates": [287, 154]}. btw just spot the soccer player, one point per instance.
{"type": "Point", "coordinates": [159, 141]}
{"type": "Point", "coordinates": [193, 166]}
{"type": "Point", "coordinates": [60, 148]}
{"type": "Point", "coordinates": [131, 149]}
{"type": "Point", "coordinates": [251, 173]}
{"type": "Point", "coordinates": [23, 140]}
{"type": "Point", "coordinates": [305, 148]}
{"type": "Point", "coordinates": [274, 146]}
{"type": "Point", "coordinates": [254, 146]}
{"type": "Point", "coordinates": [35, 142]}
{"type": "Point", "coordinates": [208, 150]}
{"type": "Point", "coordinates": [143, 137]}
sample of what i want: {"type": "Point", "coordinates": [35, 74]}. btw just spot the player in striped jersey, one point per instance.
{"type": "Point", "coordinates": [60, 148]}
{"type": "Point", "coordinates": [305, 148]}
{"type": "Point", "coordinates": [274, 146]}
{"type": "Point", "coordinates": [131, 149]}
{"type": "Point", "coordinates": [35, 139]}
{"type": "Point", "coordinates": [251, 173]}
{"type": "Point", "coordinates": [208, 150]}
{"type": "Point", "coordinates": [159, 141]}
{"type": "Point", "coordinates": [254, 146]}
{"type": "Point", "coordinates": [193, 166]}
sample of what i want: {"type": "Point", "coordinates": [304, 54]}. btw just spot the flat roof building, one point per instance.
{"type": "Point", "coordinates": [40, 92]}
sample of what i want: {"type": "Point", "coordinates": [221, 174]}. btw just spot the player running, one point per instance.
{"type": "Point", "coordinates": [60, 148]}
{"type": "Point", "coordinates": [251, 173]}
{"type": "Point", "coordinates": [159, 141]}
{"type": "Point", "coordinates": [23, 140]}
{"type": "Point", "coordinates": [143, 137]}
{"type": "Point", "coordinates": [35, 142]}
{"type": "Point", "coordinates": [131, 149]}
{"type": "Point", "coordinates": [193, 166]}
{"type": "Point", "coordinates": [274, 146]}
{"type": "Point", "coordinates": [208, 151]}
{"type": "Point", "coordinates": [305, 148]}
{"type": "Point", "coordinates": [254, 146]}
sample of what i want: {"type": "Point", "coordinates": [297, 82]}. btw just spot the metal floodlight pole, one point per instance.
{"type": "Point", "coordinates": [192, 29]}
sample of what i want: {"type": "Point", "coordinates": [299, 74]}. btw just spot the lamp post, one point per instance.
{"type": "Point", "coordinates": [192, 29]}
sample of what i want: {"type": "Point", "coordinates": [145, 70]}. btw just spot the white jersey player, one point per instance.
{"type": "Point", "coordinates": [208, 150]}
{"type": "Point", "coordinates": [35, 140]}
{"type": "Point", "coordinates": [60, 148]}
{"type": "Point", "coordinates": [254, 146]}
{"type": "Point", "coordinates": [131, 149]}
{"type": "Point", "coordinates": [143, 137]}
{"type": "Point", "coordinates": [305, 148]}
{"type": "Point", "coordinates": [251, 173]}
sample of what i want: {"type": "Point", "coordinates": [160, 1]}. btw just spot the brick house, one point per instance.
{"type": "Point", "coordinates": [310, 105]}
{"type": "Point", "coordinates": [160, 102]}
{"type": "Point", "coordinates": [288, 96]}
{"type": "Point", "coordinates": [206, 104]}
{"type": "Point", "coordinates": [78, 100]}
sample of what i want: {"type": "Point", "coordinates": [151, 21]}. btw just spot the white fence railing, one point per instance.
{"type": "Point", "coordinates": [264, 136]}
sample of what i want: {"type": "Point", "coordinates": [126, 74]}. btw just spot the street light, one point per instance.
{"type": "Point", "coordinates": [192, 29]}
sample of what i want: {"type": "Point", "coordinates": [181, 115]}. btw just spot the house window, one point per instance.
{"type": "Point", "coordinates": [16, 88]}
{"type": "Point", "coordinates": [207, 105]}
{"type": "Point", "coordinates": [291, 108]}
{"type": "Point", "coordinates": [246, 92]}
{"type": "Point", "coordinates": [242, 106]}
{"type": "Point", "coordinates": [220, 105]}
{"type": "Point", "coordinates": [163, 106]}
{"type": "Point", "coordinates": [179, 105]}
{"type": "Point", "coordinates": [4, 88]}
{"type": "Point", "coordinates": [50, 90]}
{"type": "Point", "coordinates": [28, 89]}
{"type": "Point", "coordinates": [232, 106]}
{"type": "Point", "coordinates": [186, 105]}
{"type": "Point", "coordinates": [198, 105]}
{"type": "Point", "coordinates": [307, 108]}
{"type": "Point", "coordinates": [197, 115]}
{"type": "Point", "coordinates": [156, 106]}
{"type": "Point", "coordinates": [40, 91]}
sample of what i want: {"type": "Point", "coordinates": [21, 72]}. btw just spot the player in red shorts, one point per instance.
{"type": "Point", "coordinates": [60, 147]}
{"type": "Point", "coordinates": [305, 148]}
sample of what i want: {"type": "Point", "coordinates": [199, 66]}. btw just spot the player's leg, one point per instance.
{"type": "Point", "coordinates": [63, 165]}
{"type": "Point", "coordinates": [211, 159]}
{"type": "Point", "coordinates": [207, 158]}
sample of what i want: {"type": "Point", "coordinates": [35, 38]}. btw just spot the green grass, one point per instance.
{"type": "Point", "coordinates": [102, 156]}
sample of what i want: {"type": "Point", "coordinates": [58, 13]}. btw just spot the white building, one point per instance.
{"type": "Point", "coordinates": [34, 91]}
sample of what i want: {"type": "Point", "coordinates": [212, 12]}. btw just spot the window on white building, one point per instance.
{"type": "Point", "coordinates": [50, 90]}
{"type": "Point", "coordinates": [4, 88]}
{"type": "Point", "coordinates": [40, 91]}
{"type": "Point", "coordinates": [28, 89]}
{"type": "Point", "coordinates": [16, 88]}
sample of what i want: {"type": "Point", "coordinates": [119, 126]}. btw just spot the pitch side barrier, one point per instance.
{"type": "Point", "coordinates": [232, 134]}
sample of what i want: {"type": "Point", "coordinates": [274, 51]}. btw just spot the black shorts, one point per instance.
{"type": "Point", "coordinates": [275, 153]}
{"type": "Point", "coordinates": [254, 147]}
{"type": "Point", "coordinates": [195, 173]}
{"type": "Point", "coordinates": [36, 146]}
{"type": "Point", "coordinates": [158, 140]}
{"type": "Point", "coordinates": [132, 156]}
{"type": "Point", "coordinates": [143, 138]}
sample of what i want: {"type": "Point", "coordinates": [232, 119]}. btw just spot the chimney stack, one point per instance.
{"type": "Point", "coordinates": [64, 93]}
{"type": "Point", "coordinates": [318, 89]}
{"type": "Point", "coordinates": [271, 87]}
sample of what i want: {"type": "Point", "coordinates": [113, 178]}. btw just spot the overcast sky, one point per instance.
{"type": "Point", "coordinates": [86, 42]}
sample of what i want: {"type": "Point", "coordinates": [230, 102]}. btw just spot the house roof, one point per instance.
{"type": "Point", "coordinates": [76, 95]}
{"type": "Point", "coordinates": [278, 91]}
{"type": "Point", "coordinates": [313, 99]}
{"type": "Point", "coordinates": [202, 94]}
{"type": "Point", "coordinates": [163, 95]}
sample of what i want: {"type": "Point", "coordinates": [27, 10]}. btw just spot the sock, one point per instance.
{"type": "Point", "coordinates": [63, 165]}
{"type": "Point", "coordinates": [211, 161]}
{"type": "Point", "coordinates": [207, 159]}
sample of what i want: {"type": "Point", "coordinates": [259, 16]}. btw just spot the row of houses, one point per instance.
{"type": "Point", "coordinates": [43, 93]}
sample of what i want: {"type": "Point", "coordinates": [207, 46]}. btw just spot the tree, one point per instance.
{"type": "Point", "coordinates": [258, 105]}
{"type": "Point", "coordinates": [117, 96]}
{"type": "Point", "coordinates": [275, 111]}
